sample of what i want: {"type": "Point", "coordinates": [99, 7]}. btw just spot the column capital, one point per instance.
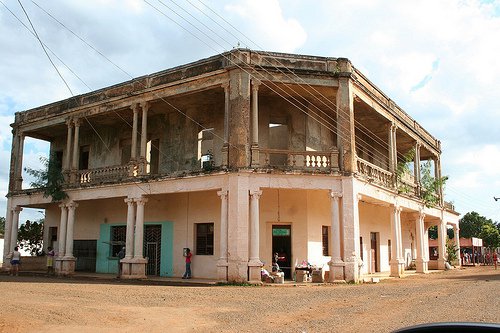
{"type": "Point", "coordinates": [141, 200]}
{"type": "Point", "coordinates": [72, 205]}
{"type": "Point", "coordinates": [69, 122]}
{"type": "Point", "coordinates": [62, 205]}
{"type": "Point", "coordinates": [17, 209]}
{"type": "Point", "coordinates": [256, 83]}
{"type": "Point", "coordinates": [145, 105]}
{"type": "Point", "coordinates": [335, 194]}
{"type": "Point", "coordinates": [129, 201]}
{"type": "Point", "coordinates": [77, 122]}
{"type": "Point", "coordinates": [222, 194]}
{"type": "Point", "coordinates": [394, 127]}
{"type": "Point", "coordinates": [255, 194]}
{"type": "Point", "coordinates": [225, 85]}
{"type": "Point", "coordinates": [135, 107]}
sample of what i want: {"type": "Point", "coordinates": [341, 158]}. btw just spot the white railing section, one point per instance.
{"type": "Point", "coordinates": [301, 160]}
{"type": "Point", "coordinates": [103, 175]}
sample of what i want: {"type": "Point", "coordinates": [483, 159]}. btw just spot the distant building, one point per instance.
{"type": "Point", "coordinates": [237, 157]}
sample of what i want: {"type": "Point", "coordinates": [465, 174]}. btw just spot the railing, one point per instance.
{"type": "Point", "coordinates": [103, 175]}
{"type": "Point", "coordinates": [301, 160]}
{"type": "Point", "coordinates": [375, 173]}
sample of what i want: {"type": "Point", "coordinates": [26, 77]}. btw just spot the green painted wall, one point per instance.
{"type": "Point", "coordinates": [107, 264]}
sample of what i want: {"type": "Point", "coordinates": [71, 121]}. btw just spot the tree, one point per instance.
{"type": "Point", "coordinates": [50, 178]}
{"type": "Point", "coordinates": [471, 224]}
{"type": "Point", "coordinates": [430, 186]}
{"type": "Point", "coordinates": [2, 225]}
{"type": "Point", "coordinates": [30, 237]}
{"type": "Point", "coordinates": [490, 235]}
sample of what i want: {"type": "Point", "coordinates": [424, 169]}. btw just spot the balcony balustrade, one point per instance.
{"type": "Point", "coordinates": [322, 161]}
{"type": "Point", "coordinates": [103, 175]}
{"type": "Point", "coordinates": [375, 173]}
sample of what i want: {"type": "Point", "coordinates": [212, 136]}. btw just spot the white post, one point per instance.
{"type": "Point", "coordinates": [15, 227]}
{"type": "Point", "coordinates": [254, 262]}
{"type": "Point", "coordinates": [76, 151]}
{"type": "Point", "coordinates": [442, 244]}
{"type": "Point", "coordinates": [8, 231]}
{"type": "Point", "coordinates": [397, 262]}
{"type": "Point", "coordinates": [336, 264]}
{"type": "Point", "coordinates": [19, 171]}
{"type": "Point", "coordinates": [144, 137]}
{"type": "Point", "coordinates": [67, 160]}
{"type": "Point", "coordinates": [69, 230]}
{"type": "Point", "coordinates": [421, 261]}
{"type": "Point", "coordinates": [129, 241]}
{"type": "Point", "coordinates": [457, 243]}
{"type": "Point", "coordinates": [139, 228]}
{"type": "Point", "coordinates": [62, 230]}
{"type": "Point", "coordinates": [222, 264]}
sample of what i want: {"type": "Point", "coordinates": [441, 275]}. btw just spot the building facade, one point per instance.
{"type": "Point", "coordinates": [237, 157]}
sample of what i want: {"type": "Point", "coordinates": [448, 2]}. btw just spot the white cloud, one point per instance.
{"type": "Point", "coordinates": [270, 29]}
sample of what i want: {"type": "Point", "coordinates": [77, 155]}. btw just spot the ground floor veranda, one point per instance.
{"type": "Point", "coordinates": [234, 223]}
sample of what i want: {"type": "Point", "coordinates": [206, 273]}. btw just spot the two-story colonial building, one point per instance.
{"type": "Point", "coordinates": [238, 156]}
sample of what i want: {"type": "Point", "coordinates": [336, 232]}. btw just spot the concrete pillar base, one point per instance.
{"type": "Point", "coordinates": [222, 270]}
{"type": "Point", "coordinates": [237, 271]}
{"type": "Point", "coordinates": [254, 271]}
{"type": "Point", "coordinates": [397, 268]}
{"type": "Point", "coordinates": [422, 266]}
{"type": "Point", "coordinates": [336, 272]}
{"type": "Point", "coordinates": [441, 264]}
{"type": "Point", "coordinates": [351, 270]}
{"type": "Point", "coordinates": [255, 156]}
{"type": "Point", "coordinates": [134, 268]}
{"type": "Point", "coordinates": [65, 266]}
{"type": "Point", "coordinates": [6, 263]}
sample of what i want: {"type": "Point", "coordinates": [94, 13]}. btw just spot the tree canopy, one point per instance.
{"type": "Point", "coordinates": [474, 225]}
{"type": "Point", "coordinates": [2, 225]}
{"type": "Point", "coordinates": [30, 237]}
{"type": "Point", "coordinates": [50, 178]}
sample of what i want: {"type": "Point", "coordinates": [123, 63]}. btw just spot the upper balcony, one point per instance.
{"type": "Point", "coordinates": [213, 115]}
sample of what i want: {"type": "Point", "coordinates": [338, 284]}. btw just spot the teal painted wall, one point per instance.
{"type": "Point", "coordinates": [107, 264]}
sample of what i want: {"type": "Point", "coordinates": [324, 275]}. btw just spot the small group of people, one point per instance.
{"type": "Point", "coordinates": [15, 261]}
{"type": "Point", "coordinates": [487, 258]}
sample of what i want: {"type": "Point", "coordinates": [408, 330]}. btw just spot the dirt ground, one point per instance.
{"type": "Point", "coordinates": [50, 304]}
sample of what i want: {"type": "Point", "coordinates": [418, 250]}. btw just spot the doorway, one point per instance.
{"type": "Point", "coordinates": [282, 244]}
{"type": "Point", "coordinates": [373, 252]}
{"type": "Point", "coordinates": [152, 248]}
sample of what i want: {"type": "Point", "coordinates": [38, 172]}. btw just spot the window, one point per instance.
{"type": "Point", "coordinates": [118, 236]}
{"type": "Point", "coordinates": [204, 239]}
{"type": "Point", "coordinates": [84, 157]}
{"type": "Point", "coordinates": [325, 231]}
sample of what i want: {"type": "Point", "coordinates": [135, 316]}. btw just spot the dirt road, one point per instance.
{"type": "Point", "coordinates": [48, 304]}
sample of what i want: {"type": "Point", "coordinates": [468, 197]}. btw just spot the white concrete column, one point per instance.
{"type": "Point", "coordinates": [442, 244]}
{"type": "Point", "coordinates": [336, 264]}
{"type": "Point", "coordinates": [393, 158]}
{"type": "Point", "coordinates": [19, 165]}
{"type": "Point", "coordinates": [70, 229]}
{"type": "Point", "coordinates": [135, 121]}
{"type": "Point", "coordinates": [222, 264]}
{"type": "Point", "coordinates": [67, 155]}
{"type": "Point", "coordinates": [139, 228]}
{"type": "Point", "coordinates": [254, 262]}
{"type": "Point", "coordinates": [62, 230]}
{"type": "Point", "coordinates": [397, 261]}
{"type": "Point", "coordinates": [76, 152]}
{"type": "Point", "coordinates": [15, 227]}
{"type": "Point", "coordinates": [144, 137]}
{"type": "Point", "coordinates": [416, 166]}
{"type": "Point", "coordinates": [255, 123]}
{"type": "Point", "coordinates": [456, 232]}
{"type": "Point", "coordinates": [8, 231]}
{"type": "Point", "coordinates": [254, 225]}
{"type": "Point", "coordinates": [225, 146]}
{"type": "Point", "coordinates": [421, 261]}
{"type": "Point", "coordinates": [129, 240]}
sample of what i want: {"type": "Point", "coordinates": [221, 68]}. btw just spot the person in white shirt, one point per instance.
{"type": "Point", "coordinates": [15, 261]}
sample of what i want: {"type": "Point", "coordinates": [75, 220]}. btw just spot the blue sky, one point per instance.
{"type": "Point", "coordinates": [437, 59]}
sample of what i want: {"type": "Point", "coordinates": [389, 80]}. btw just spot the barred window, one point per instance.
{"type": "Point", "coordinates": [204, 239]}
{"type": "Point", "coordinates": [325, 231]}
{"type": "Point", "coordinates": [118, 236]}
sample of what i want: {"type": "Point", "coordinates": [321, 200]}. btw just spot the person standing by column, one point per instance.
{"type": "Point", "coordinates": [50, 261]}
{"type": "Point", "coordinates": [495, 259]}
{"type": "Point", "coordinates": [187, 255]}
{"type": "Point", "coordinates": [15, 261]}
